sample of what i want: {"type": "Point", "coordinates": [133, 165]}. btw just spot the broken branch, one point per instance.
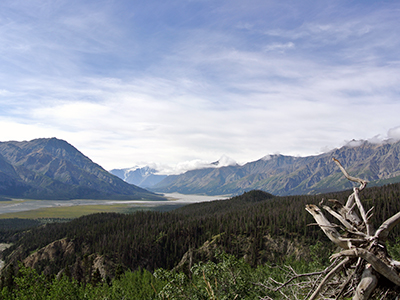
{"type": "Point", "coordinates": [376, 263]}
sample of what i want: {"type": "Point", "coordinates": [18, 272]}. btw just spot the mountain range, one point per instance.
{"type": "Point", "coordinates": [54, 169]}
{"type": "Point", "coordinates": [288, 175]}
{"type": "Point", "coordinates": [147, 176]}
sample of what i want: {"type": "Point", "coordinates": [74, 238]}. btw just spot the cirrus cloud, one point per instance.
{"type": "Point", "coordinates": [180, 84]}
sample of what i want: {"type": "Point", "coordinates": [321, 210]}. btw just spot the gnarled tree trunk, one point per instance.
{"type": "Point", "coordinates": [363, 247]}
{"type": "Point", "coordinates": [363, 267]}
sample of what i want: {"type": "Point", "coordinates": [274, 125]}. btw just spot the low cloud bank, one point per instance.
{"type": "Point", "coordinates": [182, 167]}
{"type": "Point", "coordinates": [392, 136]}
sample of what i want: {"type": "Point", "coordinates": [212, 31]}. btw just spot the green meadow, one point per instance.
{"type": "Point", "coordinates": [70, 212]}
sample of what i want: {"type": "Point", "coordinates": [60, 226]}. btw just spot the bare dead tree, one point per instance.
{"type": "Point", "coordinates": [364, 256]}
{"type": "Point", "coordinates": [362, 268]}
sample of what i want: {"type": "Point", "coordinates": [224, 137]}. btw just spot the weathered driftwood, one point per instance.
{"type": "Point", "coordinates": [328, 277]}
{"type": "Point", "coordinates": [362, 244]}
{"type": "Point", "coordinates": [367, 284]}
{"type": "Point", "coordinates": [357, 268]}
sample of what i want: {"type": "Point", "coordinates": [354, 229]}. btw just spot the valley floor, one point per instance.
{"type": "Point", "coordinates": [32, 209]}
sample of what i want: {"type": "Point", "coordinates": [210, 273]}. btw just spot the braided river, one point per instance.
{"type": "Point", "coordinates": [173, 199]}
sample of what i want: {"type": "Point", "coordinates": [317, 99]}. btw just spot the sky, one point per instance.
{"type": "Point", "coordinates": [178, 83]}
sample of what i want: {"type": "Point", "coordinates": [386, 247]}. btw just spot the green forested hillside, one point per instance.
{"type": "Point", "coordinates": [242, 225]}
{"type": "Point", "coordinates": [256, 228]}
{"type": "Point", "coordinates": [153, 239]}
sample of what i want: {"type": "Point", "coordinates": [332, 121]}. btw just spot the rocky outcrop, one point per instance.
{"type": "Point", "coordinates": [274, 249]}
{"type": "Point", "coordinates": [51, 252]}
{"type": "Point", "coordinates": [64, 250]}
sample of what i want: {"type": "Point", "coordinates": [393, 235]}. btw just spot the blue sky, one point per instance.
{"type": "Point", "coordinates": [178, 83]}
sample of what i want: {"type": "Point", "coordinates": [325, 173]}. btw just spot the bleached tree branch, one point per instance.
{"type": "Point", "coordinates": [383, 230]}
{"type": "Point", "coordinates": [367, 284]}
{"type": "Point", "coordinates": [329, 229]}
{"type": "Point", "coordinates": [358, 241]}
{"type": "Point", "coordinates": [327, 278]}
{"type": "Point", "coordinates": [376, 263]}
{"type": "Point", "coordinates": [364, 251]}
{"type": "Point", "coordinates": [363, 183]}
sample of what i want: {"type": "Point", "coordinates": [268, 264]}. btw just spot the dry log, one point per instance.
{"type": "Point", "coordinates": [329, 229]}
{"type": "Point", "coordinates": [362, 211]}
{"type": "Point", "coordinates": [342, 220]}
{"type": "Point", "coordinates": [327, 278]}
{"type": "Point", "coordinates": [365, 256]}
{"type": "Point", "coordinates": [376, 263]}
{"type": "Point", "coordinates": [347, 212]}
{"type": "Point", "coordinates": [360, 242]}
{"type": "Point", "coordinates": [383, 230]}
{"type": "Point", "coordinates": [351, 178]}
{"type": "Point", "coordinates": [368, 283]}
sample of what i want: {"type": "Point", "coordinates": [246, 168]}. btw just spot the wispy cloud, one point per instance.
{"type": "Point", "coordinates": [279, 47]}
{"type": "Point", "coordinates": [189, 81]}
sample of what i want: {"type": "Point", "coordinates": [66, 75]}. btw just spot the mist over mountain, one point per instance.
{"type": "Point", "coordinates": [288, 175]}
{"type": "Point", "coordinates": [53, 169]}
{"type": "Point", "coordinates": [143, 177]}
{"type": "Point", "coordinates": [148, 176]}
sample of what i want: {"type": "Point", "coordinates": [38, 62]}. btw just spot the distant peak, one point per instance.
{"type": "Point", "coordinates": [374, 141]}
{"type": "Point", "coordinates": [46, 139]}
{"type": "Point", "coordinates": [355, 143]}
{"type": "Point", "coordinates": [224, 161]}
{"type": "Point", "coordinates": [270, 156]}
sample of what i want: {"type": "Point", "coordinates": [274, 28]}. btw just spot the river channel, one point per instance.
{"type": "Point", "coordinates": [173, 199]}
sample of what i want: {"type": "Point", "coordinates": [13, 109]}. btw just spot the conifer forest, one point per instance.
{"type": "Point", "coordinates": [246, 247]}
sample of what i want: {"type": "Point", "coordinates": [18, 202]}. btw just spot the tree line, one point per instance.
{"type": "Point", "coordinates": [244, 226]}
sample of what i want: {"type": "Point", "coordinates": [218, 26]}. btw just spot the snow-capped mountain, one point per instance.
{"type": "Point", "coordinates": [224, 161]}
{"type": "Point", "coordinates": [148, 176]}
{"type": "Point", "coordinates": [282, 175]}
{"type": "Point", "coordinates": [140, 176]}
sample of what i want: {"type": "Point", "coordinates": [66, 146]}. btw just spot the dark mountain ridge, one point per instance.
{"type": "Point", "coordinates": [288, 175]}
{"type": "Point", "coordinates": [54, 169]}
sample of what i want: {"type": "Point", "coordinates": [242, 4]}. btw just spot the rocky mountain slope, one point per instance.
{"type": "Point", "coordinates": [54, 169]}
{"type": "Point", "coordinates": [288, 175]}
